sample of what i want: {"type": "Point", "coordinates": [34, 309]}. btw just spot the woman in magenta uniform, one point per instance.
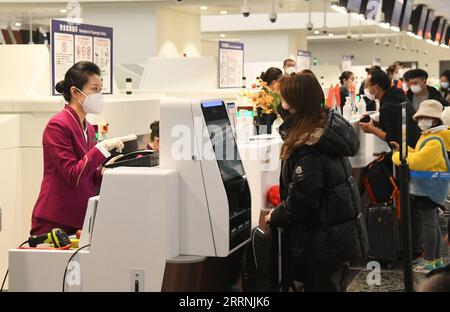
{"type": "Point", "coordinates": [72, 156]}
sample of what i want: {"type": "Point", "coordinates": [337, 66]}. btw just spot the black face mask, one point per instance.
{"type": "Point", "coordinates": [283, 113]}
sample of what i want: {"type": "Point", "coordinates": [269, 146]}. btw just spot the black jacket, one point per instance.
{"type": "Point", "coordinates": [433, 95]}
{"type": "Point", "coordinates": [343, 93]}
{"type": "Point", "coordinates": [391, 117]}
{"type": "Point", "coordinates": [320, 209]}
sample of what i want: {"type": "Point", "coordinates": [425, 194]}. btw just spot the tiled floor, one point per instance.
{"type": "Point", "coordinates": [391, 280]}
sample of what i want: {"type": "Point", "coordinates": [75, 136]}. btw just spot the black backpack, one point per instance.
{"type": "Point", "coordinates": [380, 184]}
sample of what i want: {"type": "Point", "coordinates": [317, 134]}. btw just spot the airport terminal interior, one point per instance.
{"type": "Point", "coordinates": [224, 146]}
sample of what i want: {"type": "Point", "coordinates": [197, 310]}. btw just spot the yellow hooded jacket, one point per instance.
{"type": "Point", "coordinates": [430, 157]}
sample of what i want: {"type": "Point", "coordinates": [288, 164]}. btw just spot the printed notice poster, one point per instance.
{"type": "Point", "coordinates": [83, 48]}
{"type": "Point", "coordinates": [231, 64]}
{"type": "Point", "coordinates": [62, 54]}
{"type": "Point", "coordinates": [102, 57]}
{"type": "Point", "coordinates": [346, 63]}
{"type": "Point", "coordinates": [72, 43]}
{"type": "Point", "coordinates": [376, 61]}
{"type": "Point", "coordinates": [303, 60]}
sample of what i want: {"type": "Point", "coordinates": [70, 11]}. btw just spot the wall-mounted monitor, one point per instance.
{"type": "Point", "coordinates": [392, 10]}
{"type": "Point", "coordinates": [429, 24]}
{"type": "Point", "coordinates": [447, 36]}
{"type": "Point", "coordinates": [444, 39]}
{"type": "Point", "coordinates": [351, 5]}
{"type": "Point", "coordinates": [6, 36]}
{"type": "Point", "coordinates": [372, 8]}
{"type": "Point", "coordinates": [436, 29]}
{"type": "Point", "coordinates": [406, 14]}
{"type": "Point", "coordinates": [17, 37]}
{"type": "Point", "coordinates": [418, 19]}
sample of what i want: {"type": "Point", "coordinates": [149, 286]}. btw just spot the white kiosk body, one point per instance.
{"type": "Point", "coordinates": [148, 218]}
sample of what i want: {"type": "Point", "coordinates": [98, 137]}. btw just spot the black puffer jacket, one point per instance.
{"type": "Point", "coordinates": [321, 209]}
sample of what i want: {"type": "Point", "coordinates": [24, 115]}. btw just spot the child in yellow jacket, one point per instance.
{"type": "Point", "coordinates": [429, 157]}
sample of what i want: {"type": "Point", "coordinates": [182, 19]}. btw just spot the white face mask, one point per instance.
{"type": "Point", "coordinates": [93, 103]}
{"type": "Point", "coordinates": [290, 70]}
{"type": "Point", "coordinates": [425, 123]}
{"type": "Point", "coordinates": [369, 95]}
{"type": "Point", "coordinates": [396, 76]}
{"type": "Point", "coordinates": [445, 85]}
{"type": "Point", "coordinates": [416, 89]}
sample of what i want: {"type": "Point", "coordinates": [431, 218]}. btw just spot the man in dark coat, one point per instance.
{"type": "Point", "coordinates": [419, 91]}
{"type": "Point", "coordinates": [389, 129]}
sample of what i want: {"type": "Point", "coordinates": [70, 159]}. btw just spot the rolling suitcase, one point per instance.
{"type": "Point", "coordinates": [257, 274]}
{"type": "Point", "coordinates": [285, 269]}
{"type": "Point", "coordinates": [265, 262]}
{"type": "Point", "coordinates": [383, 232]}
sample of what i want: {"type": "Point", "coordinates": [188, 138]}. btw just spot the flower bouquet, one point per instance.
{"type": "Point", "coordinates": [265, 101]}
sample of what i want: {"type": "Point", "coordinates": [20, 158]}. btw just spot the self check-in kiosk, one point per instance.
{"type": "Point", "coordinates": [216, 215]}
{"type": "Point", "coordinates": [150, 226]}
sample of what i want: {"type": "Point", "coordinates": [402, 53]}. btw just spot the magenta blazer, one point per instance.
{"type": "Point", "coordinates": [72, 171]}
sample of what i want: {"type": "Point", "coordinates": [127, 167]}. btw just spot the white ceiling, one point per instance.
{"type": "Point", "coordinates": [41, 10]}
{"type": "Point", "coordinates": [441, 7]}
{"type": "Point", "coordinates": [256, 6]}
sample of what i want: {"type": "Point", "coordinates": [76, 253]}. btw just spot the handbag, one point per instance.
{"type": "Point", "coordinates": [431, 184]}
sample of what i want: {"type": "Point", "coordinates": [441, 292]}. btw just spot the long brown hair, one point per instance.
{"type": "Point", "coordinates": [303, 93]}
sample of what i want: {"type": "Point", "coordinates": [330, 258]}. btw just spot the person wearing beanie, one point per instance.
{"type": "Point", "coordinates": [428, 155]}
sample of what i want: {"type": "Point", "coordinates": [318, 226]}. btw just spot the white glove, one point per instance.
{"type": "Point", "coordinates": [108, 145]}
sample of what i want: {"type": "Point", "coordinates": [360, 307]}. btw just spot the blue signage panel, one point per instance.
{"type": "Point", "coordinates": [72, 43]}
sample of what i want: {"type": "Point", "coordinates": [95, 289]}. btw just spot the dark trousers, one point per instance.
{"type": "Point", "coordinates": [431, 230]}
{"type": "Point", "coordinates": [416, 228]}
{"type": "Point", "coordinates": [324, 278]}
